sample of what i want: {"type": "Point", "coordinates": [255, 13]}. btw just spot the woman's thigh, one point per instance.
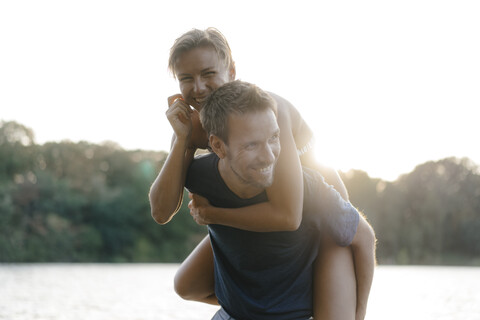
{"type": "Point", "coordinates": [194, 279]}
{"type": "Point", "coordinates": [334, 282]}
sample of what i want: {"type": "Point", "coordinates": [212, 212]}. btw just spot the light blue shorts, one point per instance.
{"type": "Point", "coordinates": [222, 315]}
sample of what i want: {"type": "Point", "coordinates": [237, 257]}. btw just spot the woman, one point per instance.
{"type": "Point", "coordinates": [201, 61]}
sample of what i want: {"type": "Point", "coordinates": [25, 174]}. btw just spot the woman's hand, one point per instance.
{"type": "Point", "coordinates": [185, 122]}
{"type": "Point", "coordinates": [179, 114]}
{"type": "Point", "coordinates": [198, 209]}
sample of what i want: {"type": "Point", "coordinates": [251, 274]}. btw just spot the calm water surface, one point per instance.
{"type": "Point", "coordinates": [145, 292]}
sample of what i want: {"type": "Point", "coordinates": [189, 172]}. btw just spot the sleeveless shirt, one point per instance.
{"type": "Point", "coordinates": [269, 275]}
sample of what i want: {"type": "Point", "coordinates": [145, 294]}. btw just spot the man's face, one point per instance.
{"type": "Point", "coordinates": [200, 72]}
{"type": "Point", "coordinates": [251, 152]}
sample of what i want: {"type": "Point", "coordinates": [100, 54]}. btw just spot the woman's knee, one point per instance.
{"type": "Point", "coordinates": [180, 287]}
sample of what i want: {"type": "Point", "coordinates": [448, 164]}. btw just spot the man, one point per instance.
{"type": "Point", "coordinates": [260, 275]}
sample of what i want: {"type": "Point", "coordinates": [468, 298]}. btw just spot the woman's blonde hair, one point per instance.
{"type": "Point", "coordinates": [195, 38]}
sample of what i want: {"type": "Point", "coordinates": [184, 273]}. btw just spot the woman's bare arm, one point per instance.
{"type": "Point", "coordinates": [166, 192]}
{"type": "Point", "coordinates": [305, 140]}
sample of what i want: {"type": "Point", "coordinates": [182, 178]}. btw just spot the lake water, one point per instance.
{"type": "Point", "coordinates": [145, 292]}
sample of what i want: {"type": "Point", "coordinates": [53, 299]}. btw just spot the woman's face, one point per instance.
{"type": "Point", "coordinates": [199, 73]}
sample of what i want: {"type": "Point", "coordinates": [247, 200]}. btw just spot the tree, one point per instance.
{"type": "Point", "coordinates": [83, 202]}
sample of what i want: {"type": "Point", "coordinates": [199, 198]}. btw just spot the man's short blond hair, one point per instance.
{"type": "Point", "coordinates": [196, 38]}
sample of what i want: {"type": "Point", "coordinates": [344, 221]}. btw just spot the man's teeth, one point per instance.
{"type": "Point", "coordinates": [202, 100]}
{"type": "Point", "coordinates": [266, 169]}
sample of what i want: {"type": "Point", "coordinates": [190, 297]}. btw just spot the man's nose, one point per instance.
{"type": "Point", "coordinates": [267, 155]}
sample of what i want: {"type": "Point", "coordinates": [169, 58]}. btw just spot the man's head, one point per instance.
{"type": "Point", "coordinates": [241, 122]}
{"type": "Point", "coordinates": [202, 61]}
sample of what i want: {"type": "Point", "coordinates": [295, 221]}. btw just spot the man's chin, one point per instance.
{"type": "Point", "coordinates": [266, 183]}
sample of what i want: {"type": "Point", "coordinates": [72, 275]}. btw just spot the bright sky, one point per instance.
{"type": "Point", "coordinates": [385, 85]}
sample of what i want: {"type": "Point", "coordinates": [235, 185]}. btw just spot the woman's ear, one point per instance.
{"type": "Point", "coordinates": [218, 146]}
{"type": "Point", "coordinates": [232, 72]}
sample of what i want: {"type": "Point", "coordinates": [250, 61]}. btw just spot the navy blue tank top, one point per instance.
{"type": "Point", "coordinates": [268, 275]}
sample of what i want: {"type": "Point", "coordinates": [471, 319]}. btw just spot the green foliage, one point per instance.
{"type": "Point", "coordinates": [80, 202]}
{"type": "Point", "coordinates": [429, 216]}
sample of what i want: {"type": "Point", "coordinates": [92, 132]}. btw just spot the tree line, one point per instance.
{"type": "Point", "coordinates": [84, 202]}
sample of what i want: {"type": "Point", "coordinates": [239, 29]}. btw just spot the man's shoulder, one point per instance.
{"type": "Point", "coordinates": [201, 166]}
{"type": "Point", "coordinates": [204, 156]}
{"type": "Point", "coordinates": [202, 163]}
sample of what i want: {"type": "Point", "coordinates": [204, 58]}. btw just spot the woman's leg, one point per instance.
{"type": "Point", "coordinates": [194, 279]}
{"type": "Point", "coordinates": [334, 293]}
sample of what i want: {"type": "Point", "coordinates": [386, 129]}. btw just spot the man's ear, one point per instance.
{"type": "Point", "coordinates": [218, 146]}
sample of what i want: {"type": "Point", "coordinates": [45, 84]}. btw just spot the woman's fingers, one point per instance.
{"type": "Point", "coordinates": [173, 98]}
{"type": "Point", "coordinates": [179, 109]}
{"type": "Point", "coordinates": [177, 106]}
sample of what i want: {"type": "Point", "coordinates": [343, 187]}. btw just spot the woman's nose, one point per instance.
{"type": "Point", "coordinates": [199, 86]}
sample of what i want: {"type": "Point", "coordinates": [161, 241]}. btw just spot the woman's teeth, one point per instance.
{"type": "Point", "coordinates": [200, 100]}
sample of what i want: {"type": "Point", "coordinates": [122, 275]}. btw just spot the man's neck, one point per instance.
{"type": "Point", "coordinates": [240, 188]}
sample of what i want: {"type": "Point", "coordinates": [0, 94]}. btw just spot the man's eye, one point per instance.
{"type": "Point", "coordinates": [184, 79]}
{"type": "Point", "coordinates": [275, 138]}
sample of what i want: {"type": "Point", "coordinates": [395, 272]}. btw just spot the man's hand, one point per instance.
{"type": "Point", "coordinates": [198, 208]}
